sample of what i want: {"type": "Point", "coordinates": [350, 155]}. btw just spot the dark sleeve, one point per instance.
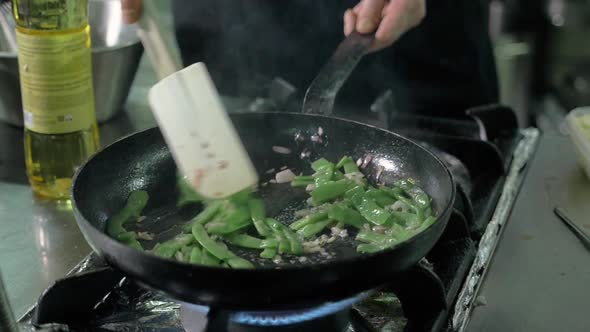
{"type": "Point", "coordinates": [444, 65]}
{"type": "Point", "coordinates": [447, 63]}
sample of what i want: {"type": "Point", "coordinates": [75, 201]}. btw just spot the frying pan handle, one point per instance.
{"type": "Point", "coordinates": [322, 92]}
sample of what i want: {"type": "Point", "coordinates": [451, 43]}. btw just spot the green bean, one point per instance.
{"type": "Point", "coordinates": [239, 263]}
{"type": "Point", "coordinates": [343, 160]}
{"type": "Point", "coordinates": [406, 219]}
{"type": "Point", "coordinates": [208, 259]}
{"type": "Point", "coordinates": [376, 238]}
{"type": "Point", "coordinates": [323, 175]}
{"type": "Point", "coordinates": [370, 210]}
{"type": "Point", "coordinates": [258, 215]}
{"type": "Point", "coordinates": [211, 246]}
{"type": "Point", "coordinates": [268, 253]}
{"type": "Point", "coordinates": [257, 209]}
{"type": "Point", "coordinates": [348, 164]}
{"type": "Point", "coordinates": [351, 192]}
{"type": "Point", "coordinates": [411, 205]}
{"type": "Point", "coordinates": [129, 239]}
{"type": "Point", "coordinates": [392, 192]}
{"type": "Point", "coordinates": [236, 220]}
{"type": "Point", "coordinates": [169, 248]}
{"type": "Point", "coordinates": [346, 215]}
{"type": "Point", "coordinates": [186, 253]}
{"type": "Point", "coordinates": [380, 197]}
{"type": "Point", "coordinates": [285, 244]}
{"type": "Point", "coordinates": [135, 204]}
{"type": "Point", "coordinates": [262, 228]}
{"type": "Point", "coordinates": [295, 246]}
{"type": "Point", "coordinates": [186, 194]}
{"type": "Point", "coordinates": [322, 162]}
{"type": "Point", "coordinates": [427, 222]}
{"type": "Point", "coordinates": [338, 176]}
{"type": "Point", "coordinates": [244, 240]}
{"type": "Point", "coordinates": [420, 197]}
{"type": "Point", "coordinates": [196, 256]}
{"type": "Point", "coordinates": [400, 233]}
{"type": "Point", "coordinates": [302, 181]}
{"type": "Point", "coordinates": [241, 197]}
{"type": "Point", "coordinates": [369, 248]}
{"type": "Point", "coordinates": [205, 216]}
{"type": "Point", "coordinates": [310, 219]}
{"type": "Point", "coordinates": [269, 243]}
{"type": "Point", "coordinates": [331, 190]}
{"type": "Point", "coordinates": [313, 229]}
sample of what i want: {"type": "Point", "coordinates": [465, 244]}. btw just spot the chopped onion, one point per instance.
{"type": "Point", "coordinates": [302, 213]}
{"type": "Point", "coordinates": [281, 149]}
{"type": "Point", "coordinates": [379, 172]}
{"type": "Point", "coordinates": [310, 187]}
{"type": "Point", "coordinates": [302, 259]}
{"type": "Point", "coordinates": [366, 161]}
{"type": "Point", "coordinates": [278, 259]}
{"type": "Point", "coordinates": [335, 230]}
{"type": "Point", "coordinates": [316, 138]}
{"type": "Point", "coordinates": [145, 236]}
{"type": "Point", "coordinates": [284, 176]}
{"type": "Point", "coordinates": [359, 162]}
{"type": "Point", "coordinates": [141, 218]}
{"type": "Point", "coordinates": [272, 170]}
{"type": "Point", "coordinates": [379, 229]}
{"type": "Point", "coordinates": [320, 131]}
{"type": "Point", "coordinates": [305, 154]}
{"type": "Point", "coordinates": [273, 181]}
{"type": "Point", "coordinates": [311, 250]}
{"type": "Point", "coordinates": [398, 206]}
{"type": "Point", "coordinates": [283, 168]}
{"type": "Point", "coordinates": [178, 256]}
{"type": "Point", "coordinates": [299, 137]}
{"type": "Point", "coordinates": [355, 176]}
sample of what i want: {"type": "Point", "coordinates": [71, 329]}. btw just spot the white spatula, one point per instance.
{"type": "Point", "coordinates": [191, 116]}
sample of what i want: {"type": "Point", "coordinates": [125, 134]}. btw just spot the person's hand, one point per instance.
{"type": "Point", "coordinates": [131, 10]}
{"type": "Point", "coordinates": [387, 19]}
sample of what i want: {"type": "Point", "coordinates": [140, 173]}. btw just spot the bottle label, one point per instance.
{"type": "Point", "coordinates": [56, 81]}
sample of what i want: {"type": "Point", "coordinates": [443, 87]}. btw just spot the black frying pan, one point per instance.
{"type": "Point", "coordinates": [143, 161]}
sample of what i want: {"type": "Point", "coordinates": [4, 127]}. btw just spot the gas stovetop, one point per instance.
{"type": "Point", "coordinates": [486, 153]}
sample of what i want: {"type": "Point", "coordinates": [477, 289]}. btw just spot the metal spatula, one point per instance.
{"type": "Point", "coordinates": [191, 116]}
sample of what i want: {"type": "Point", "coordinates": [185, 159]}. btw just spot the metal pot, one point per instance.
{"type": "Point", "coordinates": [116, 52]}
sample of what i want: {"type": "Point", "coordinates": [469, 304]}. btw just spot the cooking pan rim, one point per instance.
{"type": "Point", "coordinates": [285, 268]}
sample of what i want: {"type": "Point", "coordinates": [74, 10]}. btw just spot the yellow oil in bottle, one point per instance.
{"type": "Point", "coordinates": [55, 66]}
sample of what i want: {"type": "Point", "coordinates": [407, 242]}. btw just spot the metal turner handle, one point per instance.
{"type": "Point", "coordinates": [159, 44]}
{"type": "Point", "coordinates": [322, 92]}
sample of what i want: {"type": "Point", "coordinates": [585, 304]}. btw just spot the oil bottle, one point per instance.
{"type": "Point", "coordinates": [55, 66]}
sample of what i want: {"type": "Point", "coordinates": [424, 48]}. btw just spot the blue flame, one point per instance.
{"type": "Point", "coordinates": [293, 317]}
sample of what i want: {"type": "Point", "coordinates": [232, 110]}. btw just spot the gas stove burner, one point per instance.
{"type": "Point", "coordinates": [332, 315]}
{"type": "Point", "coordinates": [278, 318]}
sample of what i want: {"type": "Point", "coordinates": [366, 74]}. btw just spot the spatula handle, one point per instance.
{"type": "Point", "coordinates": [159, 43]}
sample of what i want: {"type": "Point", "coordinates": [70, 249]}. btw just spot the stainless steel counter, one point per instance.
{"type": "Point", "coordinates": [39, 240]}
{"type": "Point", "coordinates": [539, 277]}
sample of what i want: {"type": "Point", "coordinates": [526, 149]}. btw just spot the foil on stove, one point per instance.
{"type": "Point", "coordinates": [467, 297]}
